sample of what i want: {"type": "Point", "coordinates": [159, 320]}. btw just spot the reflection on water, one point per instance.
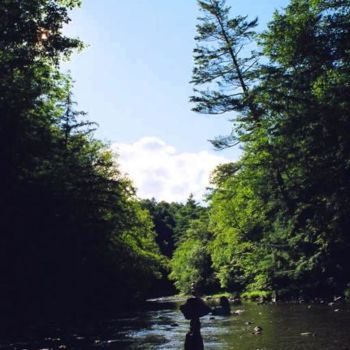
{"type": "Point", "coordinates": [284, 326]}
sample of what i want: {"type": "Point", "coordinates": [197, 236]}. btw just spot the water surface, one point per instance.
{"type": "Point", "coordinates": [162, 326]}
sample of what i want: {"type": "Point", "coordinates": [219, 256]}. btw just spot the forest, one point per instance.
{"type": "Point", "coordinates": [74, 235]}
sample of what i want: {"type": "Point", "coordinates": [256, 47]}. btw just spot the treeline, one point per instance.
{"type": "Point", "coordinates": [173, 223]}
{"type": "Point", "coordinates": [279, 218]}
{"type": "Point", "coordinates": [73, 235]}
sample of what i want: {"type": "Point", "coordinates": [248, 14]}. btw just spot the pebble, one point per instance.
{"type": "Point", "coordinates": [257, 330]}
{"type": "Point", "coordinates": [238, 312]}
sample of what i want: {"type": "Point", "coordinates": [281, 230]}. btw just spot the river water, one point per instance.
{"type": "Point", "coordinates": [162, 326]}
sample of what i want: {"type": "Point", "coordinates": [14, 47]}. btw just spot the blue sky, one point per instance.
{"type": "Point", "coordinates": [133, 78]}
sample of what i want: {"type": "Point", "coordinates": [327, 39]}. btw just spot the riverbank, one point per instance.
{"type": "Point", "coordinates": [270, 297]}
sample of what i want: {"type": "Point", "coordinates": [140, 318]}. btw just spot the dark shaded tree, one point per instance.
{"type": "Point", "coordinates": [73, 236]}
{"type": "Point", "coordinates": [164, 219]}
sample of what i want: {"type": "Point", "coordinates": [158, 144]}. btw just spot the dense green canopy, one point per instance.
{"type": "Point", "coordinates": [279, 218]}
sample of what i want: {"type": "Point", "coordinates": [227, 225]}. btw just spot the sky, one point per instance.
{"type": "Point", "coordinates": [133, 80]}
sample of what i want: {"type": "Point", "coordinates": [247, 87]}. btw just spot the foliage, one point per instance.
{"type": "Point", "coordinates": [185, 215]}
{"type": "Point", "coordinates": [72, 232]}
{"type": "Point", "coordinates": [164, 218]}
{"type": "Point", "coordinates": [191, 263]}
{"type": "Point", "coordinates": [238, 219]}
{"type": "Point", "coordinates": [223, 71]}
{"type": "Point", "coordinates": [279, 216]}
{"type": "Point", "coordinates": [180, 230]}
{"type": "Point", "coordinates": [258, 294]}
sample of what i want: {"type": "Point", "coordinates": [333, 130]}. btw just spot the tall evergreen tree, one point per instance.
{"type": "Point", "coordinates": [293, 114]}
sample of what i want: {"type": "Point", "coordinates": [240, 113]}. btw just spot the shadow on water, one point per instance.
{"type": "Point", "coordinates": [162, 326]}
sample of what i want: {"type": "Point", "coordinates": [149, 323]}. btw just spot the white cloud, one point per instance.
{"type": "Point", "coordinates": [159, 171]}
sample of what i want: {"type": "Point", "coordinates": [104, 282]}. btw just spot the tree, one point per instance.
{"type": "Point", "coordinates": [306, 89]}
{"type": "Point", "coordinates": [30, 86]}
{"type": "Point", "coordinates": [284, 205]}
{"type": "Point", "coordinates": [223, 70]}
{"type": "Point", "coordinates": [226, 65]}
{"type": "Point", "coordinates": [163, 216]}
{"type": "Point", "coordinates": [185, 215]}
{"type": "Point", "coordinates": [72, 231]}
{"type": "Point", "coordinates": [191, 262]}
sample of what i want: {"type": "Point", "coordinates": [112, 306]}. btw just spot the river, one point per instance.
{"type": "Point", "coordinates": [162, 326]}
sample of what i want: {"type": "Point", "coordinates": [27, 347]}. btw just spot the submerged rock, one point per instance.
{"type": "Point", "coordinates": [224, 308]}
